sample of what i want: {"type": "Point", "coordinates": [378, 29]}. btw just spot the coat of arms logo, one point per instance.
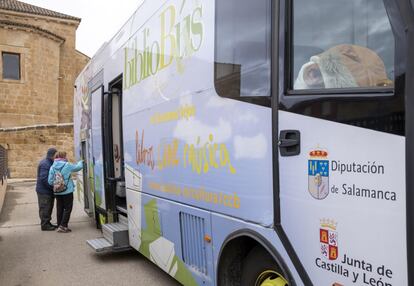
{"type": "Point", "coordinates": [318, 171]}
{"type": "Point", "coordinates": [328, 237]}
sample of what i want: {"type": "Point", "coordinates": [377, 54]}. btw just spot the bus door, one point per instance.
{"type": "Point", "coordinates": [342, 140]}
{"type": "Point", "coordinates": [113, 151]}
{"type": "Point", "coordinates": [97, 155]}
{"type": "Point", "coordinates": [87, 195]}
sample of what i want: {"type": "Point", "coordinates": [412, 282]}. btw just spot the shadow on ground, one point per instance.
{"type": "Point", "coordinates": [32, 257]}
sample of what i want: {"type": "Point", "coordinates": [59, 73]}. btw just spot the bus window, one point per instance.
{"type": "Point", "coordinates": [243, 41]}
{"type": "Point", "coordinates": [342, 44]}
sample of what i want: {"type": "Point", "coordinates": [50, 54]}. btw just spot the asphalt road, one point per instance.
{"type": "Point", "coordinates": [29, 256]}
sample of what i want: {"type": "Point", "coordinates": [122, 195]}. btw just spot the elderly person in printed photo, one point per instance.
{"type": "Point", "coordinates": [343, 66]}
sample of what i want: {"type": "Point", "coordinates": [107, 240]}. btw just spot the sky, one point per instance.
{"type": "Point", "coordinates": [101, 19]}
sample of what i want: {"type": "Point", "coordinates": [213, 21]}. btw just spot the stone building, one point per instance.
{"type": "Point", "coordinates": [38, 68]}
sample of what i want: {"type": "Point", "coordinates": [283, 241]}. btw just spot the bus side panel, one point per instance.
{"type": "Point", "coordinates": [345, 196]}
{"type": "Point", "coordinates": [172, 236]}
{"type": "Point", "coordinates": [197, 151]}
{"type": "Point", "coordinates": [186, 148]}
{"type": "Point", "coordinates": [189, 144]}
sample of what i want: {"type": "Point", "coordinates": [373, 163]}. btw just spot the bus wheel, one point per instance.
{"type": "Point", "coordinates": [259, 269]}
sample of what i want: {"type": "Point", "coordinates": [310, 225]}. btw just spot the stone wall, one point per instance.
{"type": "Point", "coordinates": [26, 146]}
{"type": "Point", "coordinates": [33, 99]}
{"type": "Point", "coordinates": [50, 66]}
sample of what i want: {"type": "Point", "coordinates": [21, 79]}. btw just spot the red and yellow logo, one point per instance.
{"type": "Point", "coordinates": [329, 239]}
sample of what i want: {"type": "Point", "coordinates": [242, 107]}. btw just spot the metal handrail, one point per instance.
{"type": "Point", "coordinates": [3, 163]}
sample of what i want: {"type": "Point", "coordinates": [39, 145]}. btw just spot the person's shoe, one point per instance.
{"type": "Point", "coordinates": [68, 229]}
{"type": "Point", "coordinates": [48, 228]}
{"type": "Point", "coordinates": [53, 225]}
{"type": "Point", "coordinates": [62, 229]}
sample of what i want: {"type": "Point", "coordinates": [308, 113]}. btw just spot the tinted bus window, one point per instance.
{"type": "Point", "coordinates": [243, 40]}
{"type": "Point", "coordinates": [342, 44]}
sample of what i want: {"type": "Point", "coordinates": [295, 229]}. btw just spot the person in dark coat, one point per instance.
{"type": "Point", "coordinates": [44, 191]}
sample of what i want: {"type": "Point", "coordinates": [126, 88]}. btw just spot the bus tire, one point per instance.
{"type": "Point", "coordinates": [260, 269]}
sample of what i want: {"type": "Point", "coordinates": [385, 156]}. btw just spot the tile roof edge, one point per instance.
{"type": "Point", "coordinates": [44, 12]}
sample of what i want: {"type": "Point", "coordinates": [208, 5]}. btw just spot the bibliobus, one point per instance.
{"type": "Point", "coordinates": [237, 142]}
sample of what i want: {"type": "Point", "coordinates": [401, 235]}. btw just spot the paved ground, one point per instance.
{"type": "Point", "coordinates": [29, 256]}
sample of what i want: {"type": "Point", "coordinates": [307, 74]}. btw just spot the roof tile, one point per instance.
{"type": "Point", "coordinates": [17, 6]}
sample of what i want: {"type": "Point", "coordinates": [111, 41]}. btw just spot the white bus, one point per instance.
{"type": "Point", "coordinates": [237, 142]}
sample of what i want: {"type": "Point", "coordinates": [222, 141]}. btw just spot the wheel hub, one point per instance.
{"type": "Point", "coordinates": [270, 278]}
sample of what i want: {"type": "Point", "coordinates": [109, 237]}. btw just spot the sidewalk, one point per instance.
{"type": "Point", "coordinates": [29, 256]}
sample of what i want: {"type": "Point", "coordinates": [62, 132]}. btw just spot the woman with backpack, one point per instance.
{"type": "Point", "coordinates": [63, 187]}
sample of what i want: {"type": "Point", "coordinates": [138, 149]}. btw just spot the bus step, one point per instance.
{"type": "Point", "coordinates": [123, 219]}
{"type": "Point", "coordinates": [122, 209]}
{"type": "Point", "coordinates": [103, 245]}
{"type": "Point", "coordinates": [116, 234]}
{"type": "Point", "coordinates": [99, 244]}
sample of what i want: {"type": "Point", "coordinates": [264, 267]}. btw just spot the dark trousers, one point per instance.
{"type": "Point", "coordinates": [46, 203]}
{"type": "Point", "coordinates": [64, 204]}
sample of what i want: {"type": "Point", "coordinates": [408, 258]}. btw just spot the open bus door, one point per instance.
{"type": "Point", "coordinates": [107, 150]}
{"type": "Point", "coordinates": [115, 227]}
{"type": "Point", "coordinates": [344, 119]}
{"type": "Point", "coordinates": [87, 194]}
{"type": "Point", "coordinates": [97, 156]}
{"type": "Point", "coordinates": [113, 150]}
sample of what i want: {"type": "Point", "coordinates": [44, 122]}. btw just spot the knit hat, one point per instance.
{"type": "Point", "coordinates": [51, 152]}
